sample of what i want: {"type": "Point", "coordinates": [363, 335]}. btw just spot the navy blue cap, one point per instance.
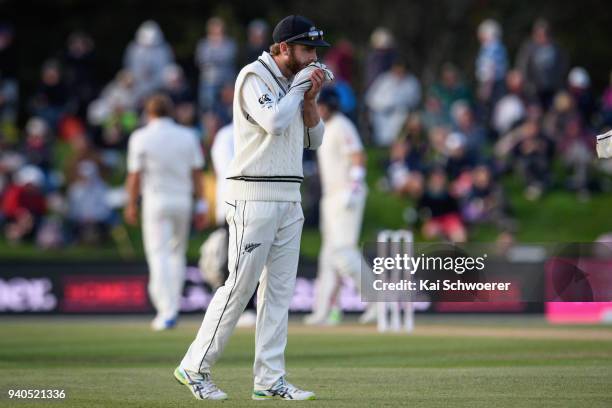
{"type": "Point", "coordinates": [298, 30]}
{"type": "Point", "coordinates": [329, 97]}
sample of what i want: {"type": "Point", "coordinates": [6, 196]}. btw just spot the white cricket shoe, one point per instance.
{"type": "Point", "coordinates": [315, 319]}
{"type": "Point", "coordinates": [370, 314]}
{"type": "Point", "coordinates": [283, 389]}
{"type": "Point", "coordinates": [161, 323]}
{"type": "Point", "coordinates": [201, 385]}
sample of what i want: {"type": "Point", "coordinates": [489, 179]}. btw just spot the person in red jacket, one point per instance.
{"type": "Point", "coordinates": [24, 204]}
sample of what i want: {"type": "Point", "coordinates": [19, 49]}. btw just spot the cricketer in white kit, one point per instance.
{"type": "Point", "coordinates": [164, 165]}
{"type": "Point", "coordinates": [341, 161]}
{"type": "Point", "coordinates": [275, 118]}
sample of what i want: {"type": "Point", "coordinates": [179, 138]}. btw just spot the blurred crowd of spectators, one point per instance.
{"type": "Point", "coordinates": [449, 141]}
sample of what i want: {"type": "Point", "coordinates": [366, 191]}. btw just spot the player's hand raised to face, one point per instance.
{"type": "Point", "coordinates": [317, 77]}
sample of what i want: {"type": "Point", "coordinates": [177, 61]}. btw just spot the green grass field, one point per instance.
{"type": "Point", "coordinates": [448, 362]}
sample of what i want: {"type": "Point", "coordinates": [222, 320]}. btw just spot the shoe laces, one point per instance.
{"type": "Point", "coordinates": [204, 385]}
{"type": "Point", "coordinates": [283, 387]}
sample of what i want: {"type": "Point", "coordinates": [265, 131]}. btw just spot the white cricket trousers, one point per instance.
{"type": "Point", "coordinates": [264, 247]}
{"type": "Point", "coordinates": [340, 256]}
{"type": "Point", "coordinates": [165, 227]}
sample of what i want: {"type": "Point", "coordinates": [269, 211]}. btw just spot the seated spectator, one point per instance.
{"type": "Point", "coordinates": [440, 209]}
{"type": "Point", "coordinates": [390, 98]}
{"type": "Point", "coordinates": [530, 152]}
{"type": "Point", "coordinates": [562, 111]}
{"type": "Point", "coordinates": [408, 154]}
{"type": "Point", "coordinates": [576, 149]}
{"type": "Point", "coordinates": [510, 110]}
{"type": "Point", "coordinates": [579, 87]}
{"type": "Point", "coordinates": [485, 201]}
{"type": "Point", "coordinates": [450, 88]}
{"type": "Point", "coordinates": [37, 147]}
{"type": "Point", "coordinates": [434, 114]}
{"type": "Point", "coordinates": [459, 163]}
{"type": "Point", "coordinates": [9, 105]}
{"type": "Point", "coordinates": [606, 104]}
{"type": "Point", "coordinates": [88, 211]}
{"type": "Point", "coordinates": [24, 205]}
{"type": "Point", "coordinates": [176, 86]}
{"type": "Point", "coordinates": [466, 124]}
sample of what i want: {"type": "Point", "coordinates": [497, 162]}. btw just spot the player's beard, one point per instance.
{"type": "Point", "coordinates": [293, 64]}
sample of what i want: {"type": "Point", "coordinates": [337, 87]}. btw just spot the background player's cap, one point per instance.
{"type": "Point", "coordinates": [298, 30]}
{"type": "Point", "coordinates": [329, 96]}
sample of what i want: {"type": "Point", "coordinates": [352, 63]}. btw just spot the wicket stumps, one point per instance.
{"type": "Point", "coordinates": [389, 244]}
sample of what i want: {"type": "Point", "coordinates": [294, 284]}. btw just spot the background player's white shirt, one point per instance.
{"type": "Point", "coordinates": [165, 154]}
{"type": "Point", "coordinates": [222, 153]}
{"type": "Point", "coordinates": [334, 156]}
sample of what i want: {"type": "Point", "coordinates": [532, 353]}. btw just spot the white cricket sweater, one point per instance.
{"type": "Point", "coordinates": [269, 135]}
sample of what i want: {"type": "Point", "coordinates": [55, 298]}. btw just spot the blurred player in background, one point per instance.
{"type": "Point", "coordinates": [165, 165]}
{"type": "Point", "coordinates": [213, 253]}
{"type": "Point", "coordinates": [341, 161]}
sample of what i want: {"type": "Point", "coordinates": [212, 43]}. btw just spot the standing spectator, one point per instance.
{"type": "Point", "coordinates": [24, 204]}
{"type": "Point", "coordinates": [79, 67]}
{"type": "Point", "coordinates": [491, 65]}
{"type": "Point", "coordinates": [146, 57]}
{"type": "Point", "coordinates": [542, 63]}
{"type": "Point", "coordinates": [390, 98]}
{"type": "Point", "coordinates": [381, 55]}
{"type": "Point", "coordinates": [257, 40]}
{"type": "Point", "coordinates": [51, 99]}
{"type": "Point", "coordinates": [215, 56]}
